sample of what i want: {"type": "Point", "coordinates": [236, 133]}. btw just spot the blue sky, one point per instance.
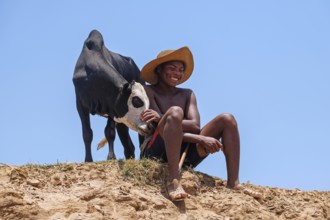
{"type": "Point", "coordinates": [266, 62]}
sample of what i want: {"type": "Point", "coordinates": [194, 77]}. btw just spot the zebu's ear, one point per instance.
{"type": "Point", "coordinates": [127, 89]}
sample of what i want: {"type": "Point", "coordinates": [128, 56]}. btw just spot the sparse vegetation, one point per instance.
{"type": "Point", "coordinates": [143, 171]}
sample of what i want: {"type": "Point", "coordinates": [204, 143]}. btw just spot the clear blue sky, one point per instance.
{"type": "Point", "coordinates": [266, 62]}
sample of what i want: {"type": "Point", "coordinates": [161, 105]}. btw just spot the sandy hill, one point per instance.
{"type": "Point", "coordinates": [135, 190]}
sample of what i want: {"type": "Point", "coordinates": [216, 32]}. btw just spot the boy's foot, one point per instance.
{"type": "Point", "coordinates": [175, 191]}
{"type": "Point", "coordinates": [247, 191]}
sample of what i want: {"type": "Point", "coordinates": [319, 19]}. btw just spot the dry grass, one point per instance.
{"type": "Point", "coordinates": [143, 171]}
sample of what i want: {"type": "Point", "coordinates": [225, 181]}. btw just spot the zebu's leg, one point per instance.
{"type": "Point", "coordinates": [86, 130]}
{"type": "Point", "coordinates": [126, 141]}
{"type": "Point", "coordinates": [110, 134]}
{"type": "Point", "coordinates": [141, 139]}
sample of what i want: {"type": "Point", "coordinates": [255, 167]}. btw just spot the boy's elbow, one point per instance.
{"type": "Point", "coordinates": [196, 129]}
{"type": "Point", "coordinates": [192, 127]}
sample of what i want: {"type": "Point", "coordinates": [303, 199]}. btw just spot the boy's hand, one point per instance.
{"type": "Point", "coordinates": [149, 116]}
{"type": "Point", "coordinates": [211, 144]}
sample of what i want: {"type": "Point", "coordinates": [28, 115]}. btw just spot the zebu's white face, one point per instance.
{"type": "Point", "coordinates": [137, 102]}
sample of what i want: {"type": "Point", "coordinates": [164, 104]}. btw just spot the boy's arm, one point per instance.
{"type": "Point", "coordinates": [192, 123]}
{"type": "Point", "coordinates": [209, 144]}
{"type": "Point", "coordinates": [153, 114]}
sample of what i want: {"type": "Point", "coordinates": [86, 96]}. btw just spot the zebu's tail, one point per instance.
{"type": "Point", "coordinates": [102, 143]}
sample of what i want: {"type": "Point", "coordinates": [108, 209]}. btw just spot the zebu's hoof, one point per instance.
{"type": "Point", "coordinates": [129, 156]}
{"type": "Point", "coordinates": [111, 156]}
{"type": "Point", "coordinates": [87, 160]}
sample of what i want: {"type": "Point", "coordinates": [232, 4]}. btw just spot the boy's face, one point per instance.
{"type": "Point", "coordinates": [171, 72]}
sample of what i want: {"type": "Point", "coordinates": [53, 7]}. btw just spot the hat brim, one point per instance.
{"type": "Point", "coordinates": [183, 54]}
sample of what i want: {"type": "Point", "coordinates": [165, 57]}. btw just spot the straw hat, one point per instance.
{"type": "Point", "coordinates": [148, 72]}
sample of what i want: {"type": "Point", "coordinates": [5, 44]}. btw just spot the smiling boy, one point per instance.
{"type": "Point", "coordinates": [174, 112]}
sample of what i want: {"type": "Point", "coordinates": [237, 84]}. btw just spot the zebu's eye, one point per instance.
{"type": "Point", "coordinates": [137, 102]}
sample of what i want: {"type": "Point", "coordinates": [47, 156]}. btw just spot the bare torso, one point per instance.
{"type": "Point", "coordinates": [161, 102]}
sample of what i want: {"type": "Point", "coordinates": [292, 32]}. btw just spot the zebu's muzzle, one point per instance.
{"type": "Point", "coordinates": [145, 129]}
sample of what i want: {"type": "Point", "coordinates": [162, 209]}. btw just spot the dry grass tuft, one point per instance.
{"type": "Point", "coordinates": [143, 171]}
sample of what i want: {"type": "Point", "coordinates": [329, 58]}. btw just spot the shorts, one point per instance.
{"type": "Point", "coordinates": [157, 151]}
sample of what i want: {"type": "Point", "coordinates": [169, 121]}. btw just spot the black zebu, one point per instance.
{"type": "Point", "coordinates": [108, 84]}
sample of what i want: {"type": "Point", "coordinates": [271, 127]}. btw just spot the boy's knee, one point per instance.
{"type": "Point", "coordinates": [175, 112]}
{"type": "Point", "coordinates": [228, 119]}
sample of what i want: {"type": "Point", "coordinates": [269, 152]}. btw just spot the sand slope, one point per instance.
{"type": "Point", "coordinates": [112, 190]}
